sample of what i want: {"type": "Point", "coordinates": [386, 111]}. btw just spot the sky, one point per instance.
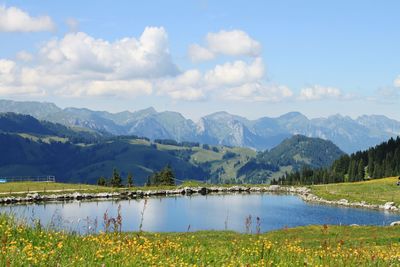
{"type": "Point", "coordinates": [250, 58]}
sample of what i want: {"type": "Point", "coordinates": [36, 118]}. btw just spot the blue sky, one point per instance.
{"type": "Point", "coordinates": [253, 58]}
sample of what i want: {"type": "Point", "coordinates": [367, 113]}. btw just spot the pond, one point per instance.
{"type": "Point", "coordinates": [197, 212]}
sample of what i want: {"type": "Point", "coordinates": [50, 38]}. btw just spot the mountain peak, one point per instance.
{"type": "Point", "coordinates": [292, 115]}
{"type": "Point", "coordinates": [219, 127]}
{"type": "Point", "coordinates": [144, 112]}
{"type": "Point", "coordinates": [219, 114]}
{"type": "Point", "coordinates": [149, 110]}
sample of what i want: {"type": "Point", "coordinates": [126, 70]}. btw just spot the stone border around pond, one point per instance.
{"type": "Point", "coordinates": [303, 192]}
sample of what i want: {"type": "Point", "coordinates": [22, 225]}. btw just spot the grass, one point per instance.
{"type": "Point", "coordinates": [303, 246]}
{"type": "Point", "coordinates": [46, 139]}
{"type": "Point", "coordinates": [22, 188]}
{"type": "Point", "coordinates": [15, 187]}
{"type": "Point", "coordinates": [376, 191]}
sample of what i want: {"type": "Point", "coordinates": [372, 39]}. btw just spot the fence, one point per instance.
{"type": "Point", "coordinates": [48, 178]}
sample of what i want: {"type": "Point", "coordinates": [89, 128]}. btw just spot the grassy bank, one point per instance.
{"type": "Point", "coordinates": [303, 246]}
{"type": "Point", "coordinates": [377, 191]}
{"type": "Point", "coordinates": [23, 188]}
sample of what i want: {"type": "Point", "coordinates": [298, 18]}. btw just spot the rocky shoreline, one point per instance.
{"type": "Point", "coordinates": [304, 192]}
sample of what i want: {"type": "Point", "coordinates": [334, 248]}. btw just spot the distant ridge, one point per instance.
{"type": "Point", "coordinates": [218, 128]}
{"type": "Point", "coordinates": [33, 147]}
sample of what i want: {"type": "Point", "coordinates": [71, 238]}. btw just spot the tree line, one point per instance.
{"type": "Point", "coordinates": [382, 160]}
{"type": "Point", "coordinates": [163, 177]}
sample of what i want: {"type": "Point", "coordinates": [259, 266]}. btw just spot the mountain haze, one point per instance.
{"type": "Point", "coordinates": [220, 128]}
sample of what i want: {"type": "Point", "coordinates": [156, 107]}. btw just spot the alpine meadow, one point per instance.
{"type": "Point", "coordinates": [200, 133]}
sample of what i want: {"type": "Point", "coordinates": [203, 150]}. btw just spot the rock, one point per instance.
{"type": "Point", "coordinates": [343, 202]}
{"type": "Point", "coordinates": [354, 224]}
{"type": "Point", "coordinates": [274, 187]}
{"type": "Point", "coordinates": [124, 193]}
{"type": "Point", "coordinates": [76, 195]}
{"type": "Point", "coordinates": [203, 191]}
{"type": "Point", "coordinates": [255, 189]}
{"type": "Point", "coordinates": [389, 206]}
{"type": "Point", "coordinates": [188, 190]}
{"type": "Point", "coordinates": [33, 196]}
{"type": "Point", "coordinates": [395, 223]}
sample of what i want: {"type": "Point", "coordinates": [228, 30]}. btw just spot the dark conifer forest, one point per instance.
{"type": "Point", "coordinates": [382, 160]}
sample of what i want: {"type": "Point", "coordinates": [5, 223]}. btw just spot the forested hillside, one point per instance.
{"type": "Point", "coordinates": [33, 147]}
{"type": "Point", "coordinates": [26, 124]}
{"type": "Point", "coordinates": [292, 154]}
{"type": "Point", "coordinates": [380, 161]}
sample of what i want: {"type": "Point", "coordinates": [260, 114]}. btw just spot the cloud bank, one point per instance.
{"type": "Point", "coordinates": [230, 43]}
{"type": "Point", "coordinates": [80, 65]}
{"type": "Point", "coordinates": [13, 19]}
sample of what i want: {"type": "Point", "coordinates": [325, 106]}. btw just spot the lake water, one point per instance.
{"type": "Point", "coordinates": [211, 212]}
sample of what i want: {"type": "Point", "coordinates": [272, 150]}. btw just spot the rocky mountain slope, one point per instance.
{"type": "Point", "coordinates": [219, 128]}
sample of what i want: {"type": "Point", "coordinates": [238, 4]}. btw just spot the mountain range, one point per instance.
{"type": "Point", "coordinates": [31, 147]}
{"type": "Point", "coordinates": [220, 128]}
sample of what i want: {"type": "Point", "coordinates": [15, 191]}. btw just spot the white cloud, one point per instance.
{"type": "Point", "coordinates": [124, 88]}
{"type": "Point", "coordinates": [73, 24]}
{"type": "Point", "coordinates": [190, 94]}
{"type": "Point", "coordinates": [194, 85]}
{"type": "Point", "coordinates": [21, 90]}
{"type": "Point", "coordinates": [6, 66]}
{"type": "Point", "coordinates": [258, 92]}
{"type": "Point", "coordinates": [80, 65]}
{"type": "Point", "coordinates": [126, 58]}
{"type": "Point", "coordinates": [13, 19]}
{"type": "Point", "coordinates": [318, 92]}
{"type": "Point", "coordinates": [24, 56]}
{"type": "Point", "coordinates": [233, 43]}
{"type": "Point", "coordinates": [386, 95]}
{"type": "Point", "coordinates": [238, 72]}
{"type": "Point", "coordinates": [198, 53]}
{"type": "Point", "coordinates": [397, 81]}
{"type": "Point", "coordinates": [10, 82]}
{"type": "Point", "coordinates": [186, 86]}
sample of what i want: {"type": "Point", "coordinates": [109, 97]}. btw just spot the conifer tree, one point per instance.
{"type": "Point", "coordinates": [130, 179]}
{"type": "Point", "coordinates": [116, 180]}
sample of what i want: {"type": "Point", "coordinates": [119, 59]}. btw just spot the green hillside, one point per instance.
{"type": "Point", "coordinates": [25, 124]}
{"type": "Point", "coordinates": [31, 147]}
{"type": "Point", "coordinates": [76, 163]}
{"type": "Point", "coordinates": [300, 150]}
{"type": "Point", "coordinates": [30, 155]}
{"type": "Point", "coordinates": [291, 155]}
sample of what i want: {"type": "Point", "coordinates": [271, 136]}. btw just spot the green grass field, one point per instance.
{"type": "Point", "coordinates": [376, 191]}
{"type": "Point", "coordinates": [324, 245]}
{"type": "Point", "coordinates": [302, 246]}
{"type": "Point", "coordinates": [47, 186]}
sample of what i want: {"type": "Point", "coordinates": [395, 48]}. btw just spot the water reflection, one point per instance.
{"type": "Point", "coordinates": [211, 212]}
